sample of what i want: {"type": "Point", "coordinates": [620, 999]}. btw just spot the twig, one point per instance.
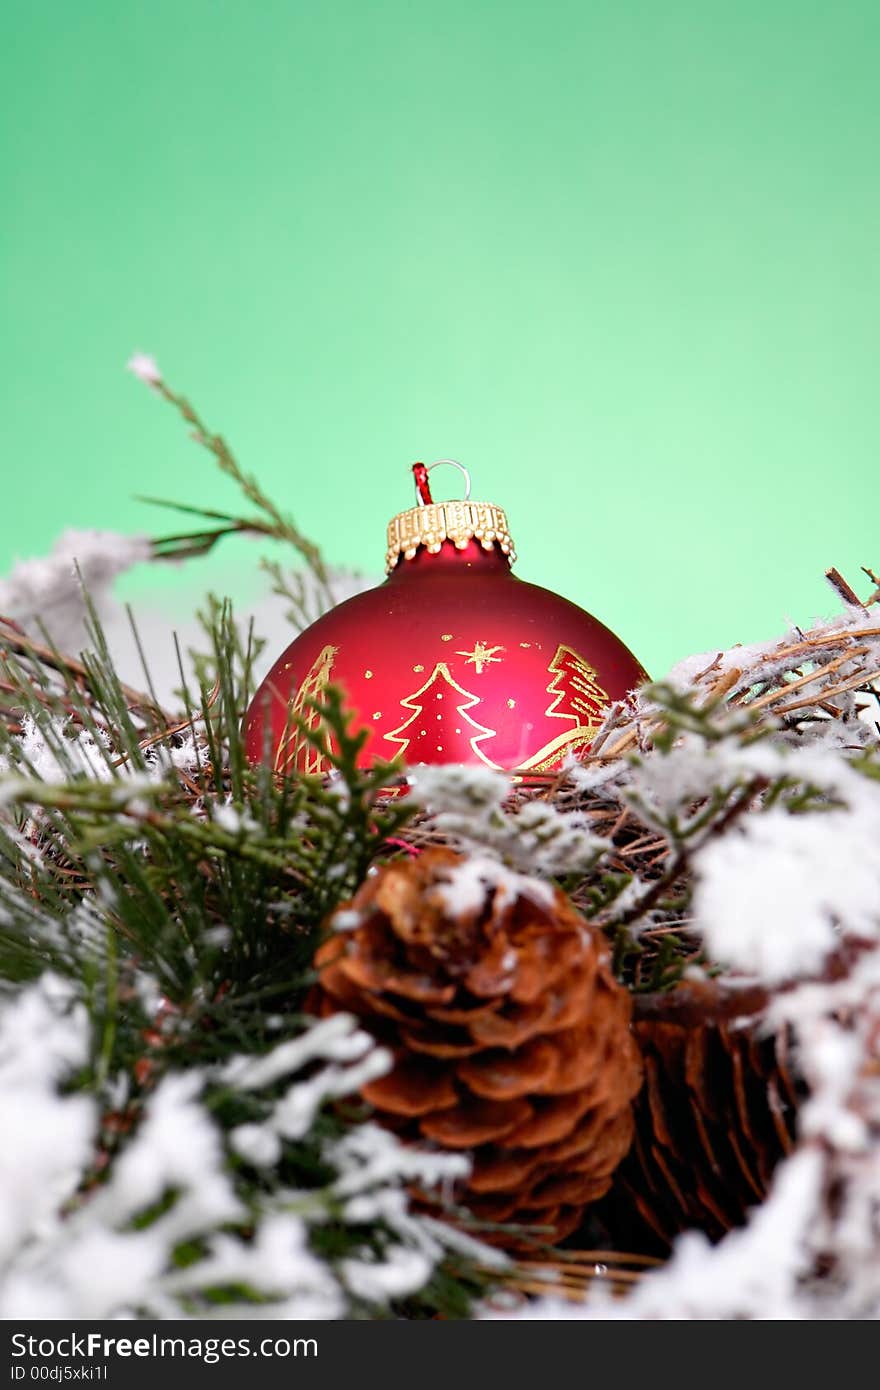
{"type": "Point", "coordinates": [861, 679]}
{"type": "Point", "coordinates": [683, 854]}
{"type": "Point", "coordinates": [801, 681]}
{"type": "Point", "coordinates": [844, 590]}
{"type": "Point", "coordinates": [875, 580]}
{"type": "Point", "coordinates": [25, 646]}
{"type": "Point", "coordinates": [722, 685]}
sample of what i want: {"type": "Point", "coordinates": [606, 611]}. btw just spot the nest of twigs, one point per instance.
{"type": "Point", "coordinates": [720, 1100]}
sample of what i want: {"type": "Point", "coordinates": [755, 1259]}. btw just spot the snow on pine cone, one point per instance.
{"type": "Point", "coordinates": [511, 1036]}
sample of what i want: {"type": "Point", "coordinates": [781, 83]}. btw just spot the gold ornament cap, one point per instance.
{"type": "Point", "coordinates": [432, 523]}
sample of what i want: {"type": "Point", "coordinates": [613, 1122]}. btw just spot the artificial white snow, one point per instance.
{"type": "Point", "coordinates": [454, 1239]}
{"type": "Point", "coordinates": [549, 841]}
{"type": "Point", "coordinates": [220, 936]}
{"type": "Point", "coordinates": [337, 1038]}
{"type": "Point", "coordinates": [230, 819]}
{"type": "Point", "coordinates": [43, 1033]}
{"type": "Point", "coordinates": [851, 996]}
{"type": "Point", "coordinates": [46, 592]}
{"type": "Point", "coordinates": [144, 367]}
{"type": "Point", "coordinates": [450, 786]}
{"type": "Point", "coordinates": [84, 927]}
{"type": "Point", "coordinates": [256, 1144]}
{"type": "Point", "coordinates": [346, 919]}
{"type": "Point", "coordinates": [55, 756]}
{"type": "Point", "coordinates": [402, 1272]}
{"type": "Point", "coordinates": [186, 753]}
{"type": "Point", "coordinates": [295, 1113]}
{"type": "Point", "coordinates": [49, 591]}
{"type": "Point", "coordinates": [467, 804]}
{"type": "Point", "coordinates": [662, 786]}
{"type": "Point", "coordinates": [177, 1147]}
{"type": "Point", "coordinates": [739, 657]}
{"type": "Point", "coordinates": [53, 753]}
{"type": "Point", "coordinates": [94, 1260]}
{"type": "Point", "coordinates": [43, 1036]}
{"type": "Point", "coordinates": [834, 1056]}
{"type": "Point", "coordinates": [775, 893]}
{"type": "Point", "coordinates": [277, 1260]}
{"type": "Point", "coordinates": [371, 1157]}
{"type": "Point", "coordinates": [337, 787]}
{"type": "Point", "coordinates": [591, 777]}
{"type": "Point", "coordinates": [468, 884]}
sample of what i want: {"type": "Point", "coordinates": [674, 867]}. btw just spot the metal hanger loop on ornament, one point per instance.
{"type": "Point", "coordinates": [461, 468]}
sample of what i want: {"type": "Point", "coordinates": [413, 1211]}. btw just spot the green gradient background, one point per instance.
{"type": "Point", "coordinates": [619, 258]}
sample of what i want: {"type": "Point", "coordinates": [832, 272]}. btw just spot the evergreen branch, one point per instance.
{"type": "Point", "coordinates": [277, 525]}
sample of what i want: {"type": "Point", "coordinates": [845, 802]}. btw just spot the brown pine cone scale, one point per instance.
{"type": "Point", "coordinates": [716, 1114]}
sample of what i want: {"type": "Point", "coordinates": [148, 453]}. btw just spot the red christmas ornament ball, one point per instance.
{"type": "Point", "coordinates": [451, 660]}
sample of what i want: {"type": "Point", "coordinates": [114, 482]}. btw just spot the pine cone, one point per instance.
{"type": "Point", "coordinates": [716, 1114]}
{"type": "Point", "coordinates": [510, 1034]}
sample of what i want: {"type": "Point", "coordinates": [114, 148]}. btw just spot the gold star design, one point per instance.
{"type": "Point", "coordinates": [481, 656]}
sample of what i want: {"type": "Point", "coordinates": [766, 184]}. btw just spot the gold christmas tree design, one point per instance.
{"type": "Point", "coordinates": [436, 720]}
{"type": "Point", "coordinates": [578, 696]}
{"type": "Point", "coordinates": [576, 688]}
{"type": "Point", "coordinates": [294, 750]}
